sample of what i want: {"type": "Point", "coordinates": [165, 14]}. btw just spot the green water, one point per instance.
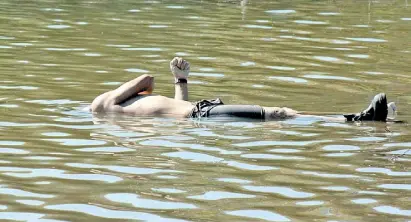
{"type": "Point", "coordinates": [60, 163]}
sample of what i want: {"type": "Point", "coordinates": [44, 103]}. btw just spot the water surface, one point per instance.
{"type": "Point", "coordinates": [60, 163]}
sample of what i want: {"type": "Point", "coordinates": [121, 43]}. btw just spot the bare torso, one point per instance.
{"type": "Point", "coordinates": [150, 105]}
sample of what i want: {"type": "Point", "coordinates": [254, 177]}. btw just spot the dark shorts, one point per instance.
{"type": "Point", "coordinates": [215, 107]}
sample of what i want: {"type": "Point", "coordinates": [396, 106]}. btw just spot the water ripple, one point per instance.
{"type": "Point", "coordinates": [358, 56]}
{"type": "Point", "coordinates": [55, 173]}
{"type": "Point", "coordinates": [143, 49]}
{"type": "Point", "coordinates": [175, 6]}
{"type": "Point", "coordinates": [284, 150]}
{"type": "Point", "coordinates": [53, 9]}
{"type": "Point", "coordinates": [366, 39]}
{"type": "Point", "coordinates": [107, 213]}
{"type": "Point", "coordinates": [310, 203]}
{"type": "Point", "coordinates": [392, 210]}
{"type": "Point", "coordinates": [316, 76]}
{"type": "Point", "coordinates": [113, 149]}
{"type": "Point", "coordinates": [22, 193]}
{"type": "Point", "coordinates": [396, 186]}
{"type": "Point", "coordinates": [340, 148]}
{"type": "Point", "coordinates": [271, 157]}
{"type": "Point", "coordinates": [138, 202]}
{"type": "Point", "coordinates": [6, 37]}
{"type": "Point", "coordinates": [53, 102]}
{"type": "Point", "coordinates": [166, 143]}
{"type": "Point", "coordinates": [309, 22]}
{"type": "Point", "coordinates": [328, 175]}
{"type": "Point", "coordinates": [364, 201]}
{"type": "Point", "coordinates": [23, 216]}
{"type": "Point", "coordinates": [121, 169]}
{"type": "Point", "coordinates": [404, 144]}
{"type": "Point", "coordinates": [24, 44]}
{"type": "Point", "coordinates": [65, 49]}
{"type": "Point", "coordinates": [335, 188]}
{"type": "Point", "coordinates": [329, 13]}
{"type": "Point", "coordinates": [167, 190]}
{"type": "Point", "coordinates": [136, 70]}
{"type": "Point", "coordinates": [281, 11]}
{"type": "Point", "coordinates": [284, 68]}
{"type": "Point", "coordinates": [31, 202]}
{"type": "Point", "coordinates": [278, 143]}
{"type": "Point", "coordinates": [259, 214]}
{"type": "Point", "coordinates": [383, 171]}
{"type": "Point", "coordinates": [252, 167]}
{"type": "Point", "coordinates": [204, 74]}
{"type": "Point", "coordinates": [257, 26]}
{"type": "Point", "coordinates": [234, 180]}
{"type": "Point", "coordinates": [368, 139]}
{"type": "Point", "coordinates": [77, 142]}
{"type": "Point", "coordinates": [284, 191]}
{"type": "Point", "coordinates": [58, 26]}
{"type": "Point", "coordinates": [218, 195]}
{"type": "Point", "coordinates": [42, 158]}
{"type": "Point", "coordinates": [11, 143]}
{"type": "Point", "coordinates": [289, 79]}
{"type": "Point", "coordinates": [118, 46]}
{"type": "Point", "coordinates": [194, 157]}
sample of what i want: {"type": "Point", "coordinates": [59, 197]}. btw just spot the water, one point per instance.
{"type": "Point", "coordinates": [60, 163]}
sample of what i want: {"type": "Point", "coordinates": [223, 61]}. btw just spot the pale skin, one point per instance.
{"type": "Point", "coordinates": [135, 97]}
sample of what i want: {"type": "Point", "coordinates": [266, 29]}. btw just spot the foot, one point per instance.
{"type": "Point", "coordinates": [376, 111]}
{"type": "Point", "coordinates": [180, 68]}
{"type": "Point", "coordinates": [278, 113]}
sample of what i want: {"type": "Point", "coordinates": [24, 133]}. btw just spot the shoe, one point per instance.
{"type": "Point", "coordinates": [376, 111]}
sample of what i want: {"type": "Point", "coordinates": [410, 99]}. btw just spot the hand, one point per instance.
{"type": "Point", "coordinates": [180, 68]}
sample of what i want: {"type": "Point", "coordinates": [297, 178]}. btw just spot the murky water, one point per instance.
{"type": "Point", "coordinates": [60, 163]}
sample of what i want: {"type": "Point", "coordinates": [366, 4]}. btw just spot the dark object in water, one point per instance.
{"type": "Point", "coordinates": [376, 111]}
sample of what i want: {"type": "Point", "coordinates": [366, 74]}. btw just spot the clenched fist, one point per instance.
{"type": "Point", "coordinates": [180, 68]}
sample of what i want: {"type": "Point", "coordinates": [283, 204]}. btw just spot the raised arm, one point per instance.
{"type": "Point", "coordinates": [180, 69]}
{"type": "Point", "coordinates": [109, 100]}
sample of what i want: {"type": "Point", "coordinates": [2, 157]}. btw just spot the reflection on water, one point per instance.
{"type": "Point", "coordinates": [60, 163]}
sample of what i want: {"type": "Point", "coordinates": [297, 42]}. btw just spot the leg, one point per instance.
{"type": "Point", "coordinates": [376, 111]}
{"type": "Point", "coordinates": [109, 101]}
{"type": "Point", "coordinates": [180, 69]}
{"type": "Point", "coordinates": [251, 111]}
{"type": "Point", "coordinates": [263, 113]}
{"type": "Point", "coordinates": [287, 113]}
{"type": "Point", "coordinates": [273, 113]}
{"type": "Point", "coordinates": [242, 111]}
